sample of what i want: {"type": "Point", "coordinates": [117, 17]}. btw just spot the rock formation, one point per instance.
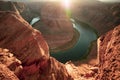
{"type": "Point", "coordinates": [6, 74]}
{"type": "Point", "coordinates": [109, 55]}
{"type": "Point", "coordinates": [10, 66]}
{"type": "Point", "coordinates": [28, 45]}
{"type": "Point", "coordinates": [102, 16]}
{"type": "Point", "coordinates": [22, 41]}
{"type": "Point", "coordinates": [10, 61]}
{"type": "Point", "coordinates": [55, 25]}
{"type": "Point", "coordinates": [31, 60]}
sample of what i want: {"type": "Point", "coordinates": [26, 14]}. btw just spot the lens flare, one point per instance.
{"type": "Point", "coordinates": [66, 3]}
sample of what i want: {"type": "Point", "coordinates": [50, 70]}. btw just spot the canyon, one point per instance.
{"type": "Point", "coordinates": [25, 51]}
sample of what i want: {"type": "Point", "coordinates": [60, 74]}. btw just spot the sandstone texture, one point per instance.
{"type": "Point", "coordinates": [6, 74]}
{"type": "Point", "coordinates": [28, 45]}
{"type": "Point", "coordinates": [109, 55]}
{"type": "Point", "coordinates": [10, 66]}
{"type": "Point", "coordinates": [55, 25]}
{"type": "Point", "coordinates": [50, 70]}
{"type": "Point", "coordinates": [10, 61]}
{"type": "Point", "coordinates": [21, 39]}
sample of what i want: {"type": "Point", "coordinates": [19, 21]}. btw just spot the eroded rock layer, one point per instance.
{"type": "Point", "coordinates": [50, 70]}
{"type": "Point", "coordinates": [55, 25]}
{"type": "Point", "coordinates": [10, 61]}
{"type": "Point", "coordinates": [109, 55]}
{"type": "Point", "coordinates": [28, 45]}
{"type": "Point", "coordinates": [6, 74]}
{"type": "Point", "coordinates": [21, 39]}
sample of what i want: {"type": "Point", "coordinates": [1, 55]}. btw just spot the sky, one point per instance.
{"type": "Point", "coordinates": [64, 0]}
{"type": "Point", "coordinates": [109, 0]}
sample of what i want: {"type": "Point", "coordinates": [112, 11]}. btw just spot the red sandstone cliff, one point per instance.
{"type": "Point", "coordinates": [6, 74]}
{"type": "Point", "coordinates": [28, 45]}
{"type": "Point", "coordinates": [109, 55]}
{"type": "Point", "coordinates": [10, 66]}
{"type": "Point", "coordinates": [21, 39]}
{"type": "Point", "coordinates": [10, 61]}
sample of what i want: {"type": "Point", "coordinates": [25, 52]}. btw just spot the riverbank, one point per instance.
{"type": "Point", "coordinates": [81, 49]}
{"type": "Point", "coordinates": [78, 47]}
{"type": "Point", "coordinates": [68, 45]}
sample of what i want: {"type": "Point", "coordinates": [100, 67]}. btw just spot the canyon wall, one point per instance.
{"type": "Point", "coordinates": [101, 16]}
{"type": "Point", "coordinates": [29, 46]}
{"type": "Point", "coordinates": [109, 55]}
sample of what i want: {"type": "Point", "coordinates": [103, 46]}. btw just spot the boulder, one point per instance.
{"type": "Point", "coordinates": [109, 55]}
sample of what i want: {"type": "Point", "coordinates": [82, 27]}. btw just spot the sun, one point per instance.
{"type": "Point", "coordinates": [66, 3]}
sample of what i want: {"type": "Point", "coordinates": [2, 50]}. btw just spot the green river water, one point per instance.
{"type": "Point", "coordinates": [82, 46]}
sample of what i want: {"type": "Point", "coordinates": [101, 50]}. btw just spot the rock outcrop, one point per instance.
{"type": "Point", "coordinates": [55, 25]}
{"type": "Point", "coordinates": [10, 66]}
{"type": "Point", "coordinates": [28, 45]}
{"type": "Point", "coordinates": [10, 61]}
{"type": "Point", "coordinates": [50, 70]}
{"type": "Point", "coordinates": [6, 74]}
{"type": "Point", "coordinates": [109, 55]}
{"type": "Point", "coordinates": [21, 39]}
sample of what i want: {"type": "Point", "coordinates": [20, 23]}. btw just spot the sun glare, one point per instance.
{"type": "Point", "coordinates": [66, 3]}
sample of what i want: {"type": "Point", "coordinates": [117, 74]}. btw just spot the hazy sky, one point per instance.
{"type": "Point", "coordinates": [110, 0]}
{"type": "Point", "coordinates": [64, 0]}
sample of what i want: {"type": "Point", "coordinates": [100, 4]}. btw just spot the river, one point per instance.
{"type": "Point", "coordinates": [82, 46]}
